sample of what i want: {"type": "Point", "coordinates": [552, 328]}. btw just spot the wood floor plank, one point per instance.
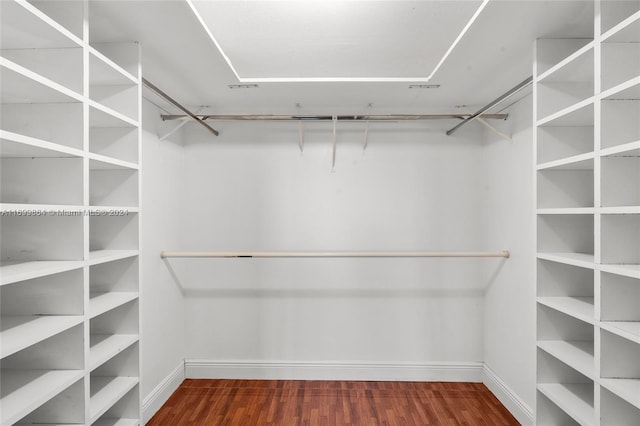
{"type": "Point", "coordinates": [330, 403]}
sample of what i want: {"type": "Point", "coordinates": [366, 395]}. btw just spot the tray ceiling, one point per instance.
{"type": "Point", "coordinates": [335, 40]}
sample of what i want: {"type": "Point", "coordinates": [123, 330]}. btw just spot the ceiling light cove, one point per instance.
{"type": "Point", "coordinates": [336, 41]}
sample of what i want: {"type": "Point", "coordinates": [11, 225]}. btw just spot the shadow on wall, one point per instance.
{"type": "Point", "coordinates": [495, 274]}
{"type": "Point", "coordinates": [174, 276]}
{"type": "Point", "coordinates": [319, 293]}
{"type": "Point", "coordinates": [382, 289]}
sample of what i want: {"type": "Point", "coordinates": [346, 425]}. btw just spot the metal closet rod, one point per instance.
{"type": "Point", "coordinates": [526, 83]}
{"type": "Point", "coordinates": [296, 254]}
{"type": "Point", "coordinates": [178, 105]}
{"type": "Point", "coordinates": [275, 117]}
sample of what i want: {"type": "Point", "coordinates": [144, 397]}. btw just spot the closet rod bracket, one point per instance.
{"type": "Point", "coordinates": [524, 84]}
{"type": "Point", "coordinates": [178, 105]}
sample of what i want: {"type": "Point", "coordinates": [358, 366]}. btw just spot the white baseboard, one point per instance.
{"type": "Point", "coordinates": [274, 370]}
{"type": "Point", "coordinates": [516, 406]}
{"type": "Point", "coordinates": [162, 392]}
{"type": "Point", "coordinates": [435, 372]}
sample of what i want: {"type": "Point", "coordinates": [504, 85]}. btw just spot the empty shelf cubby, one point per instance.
{"type": "Point", "coordinates": [113, 381]}
{"type": "Point", "coordinates": [33, 238]}
{"type": "Point", "coordinates": [114, 187]}
{"type": "Point", "coordinates": [40, 372]}
{"type": "Point", "coordinates": [566, 234]}
{"type": "Point", "coordinates": [567, 289]}
{"type": "Point", "coordinates": [613, 13]}
{"type": "Point", "coordinates": [108, 232]}
{"type": "Point", "coordinates": [620, 123]}
{"type": "Point", "coordinates": [41, 180]}
{"type": "Point", "coordinates": [569, 84]}
{"type": "Point", "coordinates": [556, 142]}
{"type": "Point", "coordinates": [568, 389]}
{"type": "Point", "coordinates": [566, 186]}
{"type": "Point", "coordinates": [615, 411]}
{"type": "Point", "coordinates": [620, 179]}
{"type": "Point", "coordinates": [620, 239]}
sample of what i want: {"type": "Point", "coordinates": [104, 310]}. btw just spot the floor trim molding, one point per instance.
{"type": "Point", "coordinates": [442, 371]}
{"type": "Point", "coordinates": [161, 393]}
{"type": "Point", "coordinates": [277, 370]}
{"type": "Point", "coordinates": [520, 410]}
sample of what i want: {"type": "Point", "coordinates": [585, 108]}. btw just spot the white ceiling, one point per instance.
{"type": "Point", "coordinates": [334, 40]}
{"type": "Point", "coordinates": [494, 55]}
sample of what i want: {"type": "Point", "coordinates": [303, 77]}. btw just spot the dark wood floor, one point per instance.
{"type": "Point", "coordinates": [324, 403]}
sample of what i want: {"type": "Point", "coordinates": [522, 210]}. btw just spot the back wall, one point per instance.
{"type": "Point", "coordinates": [412, 189]}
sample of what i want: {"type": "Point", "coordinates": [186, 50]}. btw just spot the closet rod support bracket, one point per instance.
{"type": "Point", "coordinates": [524, 84]}
{"type": "Point", "coordinates": [178, 105]}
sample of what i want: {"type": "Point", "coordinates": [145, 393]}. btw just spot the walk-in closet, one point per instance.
{"type": "Point", "coordinates": [340, 212]}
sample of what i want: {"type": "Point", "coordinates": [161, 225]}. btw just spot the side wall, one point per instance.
{"type": "Point", "coordinates": [509, 310]}
{"type": "Point", "coordinates": [413, 189]}
{"type": "Point", "coordinates": [162, 306]}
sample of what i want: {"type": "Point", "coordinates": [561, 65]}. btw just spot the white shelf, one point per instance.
{"type": "Point", "coordinates": [626, 31]}
{"type": "Point", "coordinates": [587, 202]}
{"type": "Point", "coordinates": [46, 138]}
{"type": "Point", "coordinates": [581, 308]}
{"type": "Point", "coordinates": [122, 119]}
{"type": "Point", "coordinates": [20, 332]}
{"type": "Point", "coordinates": [46, 424]}
{"type": "Point", "coordinates": [577, 162]}
{"type": "Point", "coordinates": [21, 85]}
{"type": "Point", "coordinates": [629, 330]}
{"type": "Point", "coordinates": [632, 271]}
{"type": "Point", "coordinates": [101, 162]}
{"type": "Point", "coordinates": [105, 347]}
{"type": "Point", "coordinates": [562, 68]}
{"type": "Point", "coordinates": [575, 115]}
{"type": "Point", "coordinates": [25, 390]}
{"type": "Point", "coordinates": [629, 90]}
{"type": "Point", "coordinates": [575, 259]}
{"type": "Point", "coordinates": [55, 209]}
{"type": "Point", "coordinates": [99, 118]}
{"type": "Point", "coordinates": [620, 210]}
{"type": "Point", "coordinates": [571, 398]}
{"type": "Point", "coordinates": [26, 27]}
{"type": "Point", "coordinates": [15, 272]}
{"type": "Point", "coordinates": [104, 256]}
{"type": "Point", "coordinates": [14, 145]}
{"type": "Point", "coordinates": [627, 389]}
{"type": "Point", "coordinates": [130, 210]}
{"type": "Point", "coordinates": [104, 71]}
{"type": "Point", "coordinates": [104, 302]}
{"type": "Point", "coordinates": [106, 391]}
{"type": "Point", "coordinates": [116, 422]}
{"type": "Point", "coordinates": [569, 210]}
{"type": "Point", "coordinates": [630, 149]}
{"type": "Point", "coordinates": [576, 354]}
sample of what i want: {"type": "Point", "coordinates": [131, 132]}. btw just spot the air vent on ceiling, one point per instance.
{"type": "Point", "coordinates": [424, 86]}
{"type": "Point", "coordinates": [243, 86]}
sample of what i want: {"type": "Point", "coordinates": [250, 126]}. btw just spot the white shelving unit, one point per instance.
{"type": "Point", "coordinates": [69, 199]}
{"type": "Point", "coordinates": [587, 166]}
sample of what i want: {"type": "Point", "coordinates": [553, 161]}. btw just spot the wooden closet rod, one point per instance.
{"type": "Point", "coordinates": [275, 254]}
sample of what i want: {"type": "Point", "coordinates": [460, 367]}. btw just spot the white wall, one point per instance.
{"type": "Point", "coordinates": [508, 221]}
{"type": "Point", "coordinates": [413, 189]}
{"type": "Point", "coordinates": [162, 307]}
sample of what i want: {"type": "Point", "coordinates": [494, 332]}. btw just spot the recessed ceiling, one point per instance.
{"type": "Point", "coordinates": [494, 55]}
{"type": "Point", "coordinates": [280, 41]}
